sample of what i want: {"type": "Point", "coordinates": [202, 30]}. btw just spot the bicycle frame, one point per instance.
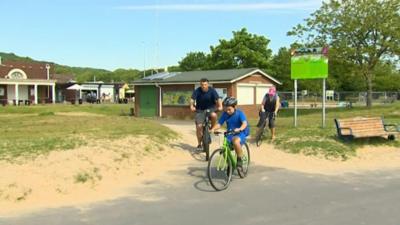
{"type": "Point", "coordinates": [227, 155]}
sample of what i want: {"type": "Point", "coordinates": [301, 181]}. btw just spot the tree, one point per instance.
{"type": "Point", "coordinates": [280, 69]}
{"type": "Point", "coordinates": [194, 61]}
{"type": "Point", "coordinates": [244, 50]}
{"type": "Point", "coordinates": [363, 31]}
{"type": "Point", "coordinates": [174, 68]}
{"type": "Point", "coordinates": [386, 78]}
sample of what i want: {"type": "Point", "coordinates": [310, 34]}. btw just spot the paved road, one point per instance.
{"type": "Point", "coordinates": [267, 196]}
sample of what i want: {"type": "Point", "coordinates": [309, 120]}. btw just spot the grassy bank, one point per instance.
{"type": "Point", "coordinates": [35, 130]}
{"type": "Point", "coordinates": [311, 139]}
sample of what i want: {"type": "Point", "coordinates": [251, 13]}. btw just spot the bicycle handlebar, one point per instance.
{"type": "Point", "coordinates": [203, 111]}
{"type": "Point", "coordinates": [226, 133]}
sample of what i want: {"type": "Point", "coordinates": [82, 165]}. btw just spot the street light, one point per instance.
{"type": "Point", "coordinates": [144, 59]}
{"type": "Point", "coordinates": [48, 78]}
{"type": "Point", "coordinates": [48, 71]}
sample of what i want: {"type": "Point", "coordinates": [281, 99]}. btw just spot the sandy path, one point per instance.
{"type": "Point", "coordinates": [369, 158]}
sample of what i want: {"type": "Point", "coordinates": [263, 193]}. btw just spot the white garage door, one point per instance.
{"type": "Point", "coordinates": [260, 92]}
{"type": "Point", "coordinates": [245, 95]}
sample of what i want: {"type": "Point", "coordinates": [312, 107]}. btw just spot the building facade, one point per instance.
{"type": "Point", "coordinates": [26, 83]}
{"type": "Point", "coordinates": [168, 94]}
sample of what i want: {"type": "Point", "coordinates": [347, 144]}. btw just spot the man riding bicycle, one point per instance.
{"type": "Point", "coordinates": [235, 120]}
{"type": "Point", "coordinates": [204, 98]}
{"type": "Point", "coordinates": [269, 109]}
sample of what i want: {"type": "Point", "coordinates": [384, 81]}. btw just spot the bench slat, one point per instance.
{"type": "Point", "coordinates": [362, 125]}
{"type": "Point", "coordinates": [361, 118]}
{"type": "Point", "coordinates": [369, 134]}
{"type": "Point", "coordinates": [354, 129]}
{"type": "Point", "coordinates": [361, 122]}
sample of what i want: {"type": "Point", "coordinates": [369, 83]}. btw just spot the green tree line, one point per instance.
{"type": "Point", "coordinates": [364, 41]}
{"type": "Point", "coordinates": [83, 74]}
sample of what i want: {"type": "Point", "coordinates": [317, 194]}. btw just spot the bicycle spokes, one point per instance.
{"type": "Point", "coordinates": [222, 162]}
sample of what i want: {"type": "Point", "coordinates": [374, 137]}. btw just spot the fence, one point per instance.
{"type": "Point", "coordinates": [338, 99]}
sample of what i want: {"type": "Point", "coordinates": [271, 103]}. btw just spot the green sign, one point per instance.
{"type": "Point", "coordinates": [309, 66]}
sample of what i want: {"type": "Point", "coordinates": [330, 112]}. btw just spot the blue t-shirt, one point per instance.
{"type": "Point", "coordinates": [234, 121]}
{"type": "Point", "coordinates": [205, 100]}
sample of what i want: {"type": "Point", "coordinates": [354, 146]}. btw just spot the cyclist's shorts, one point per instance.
{"type": "Point", "coordinates": [266, 116]}
{"type": "Point", "coordinates": [241, 135]}
{"type": "Point", "coordinates": [200, 117]}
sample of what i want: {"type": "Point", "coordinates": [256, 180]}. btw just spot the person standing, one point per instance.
{"type": "Point", "coordinates": [269, 109]}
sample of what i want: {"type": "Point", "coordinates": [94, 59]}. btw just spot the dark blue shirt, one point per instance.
{"type": "Point", "coordinates": [234, 121]}
{"type": "Point", "coordinates": [205, 100]}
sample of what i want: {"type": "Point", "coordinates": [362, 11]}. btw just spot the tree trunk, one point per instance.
{"type": "Point", "coordinates": [369, 90]}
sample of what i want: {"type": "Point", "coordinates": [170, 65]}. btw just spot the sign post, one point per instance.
{"type": "Point", "coordinates": [323, 102]}
{"type": "Point", "coordinates": [310, 63]}
{"type": "Point", "coordinates": [295, 103]}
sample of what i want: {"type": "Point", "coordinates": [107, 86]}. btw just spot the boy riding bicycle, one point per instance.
{"type": "Point", "coordinates": [235, 120]}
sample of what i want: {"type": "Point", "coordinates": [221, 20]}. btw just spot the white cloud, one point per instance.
{"type": "Point", "coordinates": [293, 5]}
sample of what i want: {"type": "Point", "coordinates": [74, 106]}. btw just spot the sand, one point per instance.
{"type": "Point", "coordinates": [110, 170]}
{"type": "Point", "coordinates": [116, 168]}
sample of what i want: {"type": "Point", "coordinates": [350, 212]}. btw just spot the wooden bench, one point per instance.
{"type": "Point", "coordinates": [365, 127]}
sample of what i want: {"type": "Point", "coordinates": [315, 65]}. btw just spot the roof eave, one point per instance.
{"type": "Point", "coordinates": [254, 71]}
{"type": "Point", "coordinates": [180, 82]}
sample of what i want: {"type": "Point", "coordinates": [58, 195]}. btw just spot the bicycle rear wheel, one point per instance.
{"type": "Point", "coordinates": [259, 137]}
{"type": "Point", "coordinates": [219, 170]}
{"type": "Point", "coordinates": [246, 161]}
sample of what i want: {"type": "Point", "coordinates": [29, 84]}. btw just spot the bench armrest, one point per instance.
{"type": "Point", "coordinates": [346, 128]}
{"type": "Point", "coordinates": [339, 128]}
{"type": "Point", "coordinates": [397, 127]}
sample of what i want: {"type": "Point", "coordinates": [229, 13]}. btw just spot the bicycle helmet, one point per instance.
{"type": "Point", "coordinates": [230, 101]}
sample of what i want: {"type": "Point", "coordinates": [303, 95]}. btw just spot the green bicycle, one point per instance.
{"type": "Point", "coordinates": [223, 161]}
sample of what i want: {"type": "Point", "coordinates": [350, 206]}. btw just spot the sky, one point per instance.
{"type": "Point", "coordinates": [137, 34]}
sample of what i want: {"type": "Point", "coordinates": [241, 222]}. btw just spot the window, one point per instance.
{"type": "Point", "coordinates": [222, 92]}
{"type": "Point", "coordinates": [16, 74]}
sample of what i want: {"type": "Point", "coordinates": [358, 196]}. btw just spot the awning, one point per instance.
{"type": "Point", "coordinates": [75, 87]}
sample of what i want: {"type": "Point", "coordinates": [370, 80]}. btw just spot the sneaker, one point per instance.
{"type": "Point", "coordinates": [199, 148]}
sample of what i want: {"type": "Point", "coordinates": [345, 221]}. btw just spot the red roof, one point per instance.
{"type": "Point", "coordinates": [33, 70]}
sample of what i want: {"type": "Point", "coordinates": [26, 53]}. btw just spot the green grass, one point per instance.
{"type": "Point", "coordinates": [103, 109]}
{"type": "Point", "coordinates": [35, 130]}
{"type": "Point", "coordinates": [310, 138]}
{"type": "Point", "coordinates": [85, 176]}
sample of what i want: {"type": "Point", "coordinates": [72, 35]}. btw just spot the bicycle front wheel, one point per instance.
{"type": "Point", "coordinates": [246, 161]}
{"type": "Point", "coordinates": [219, 170]}
{"type": "Point", "coordinates": [206, 142]}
